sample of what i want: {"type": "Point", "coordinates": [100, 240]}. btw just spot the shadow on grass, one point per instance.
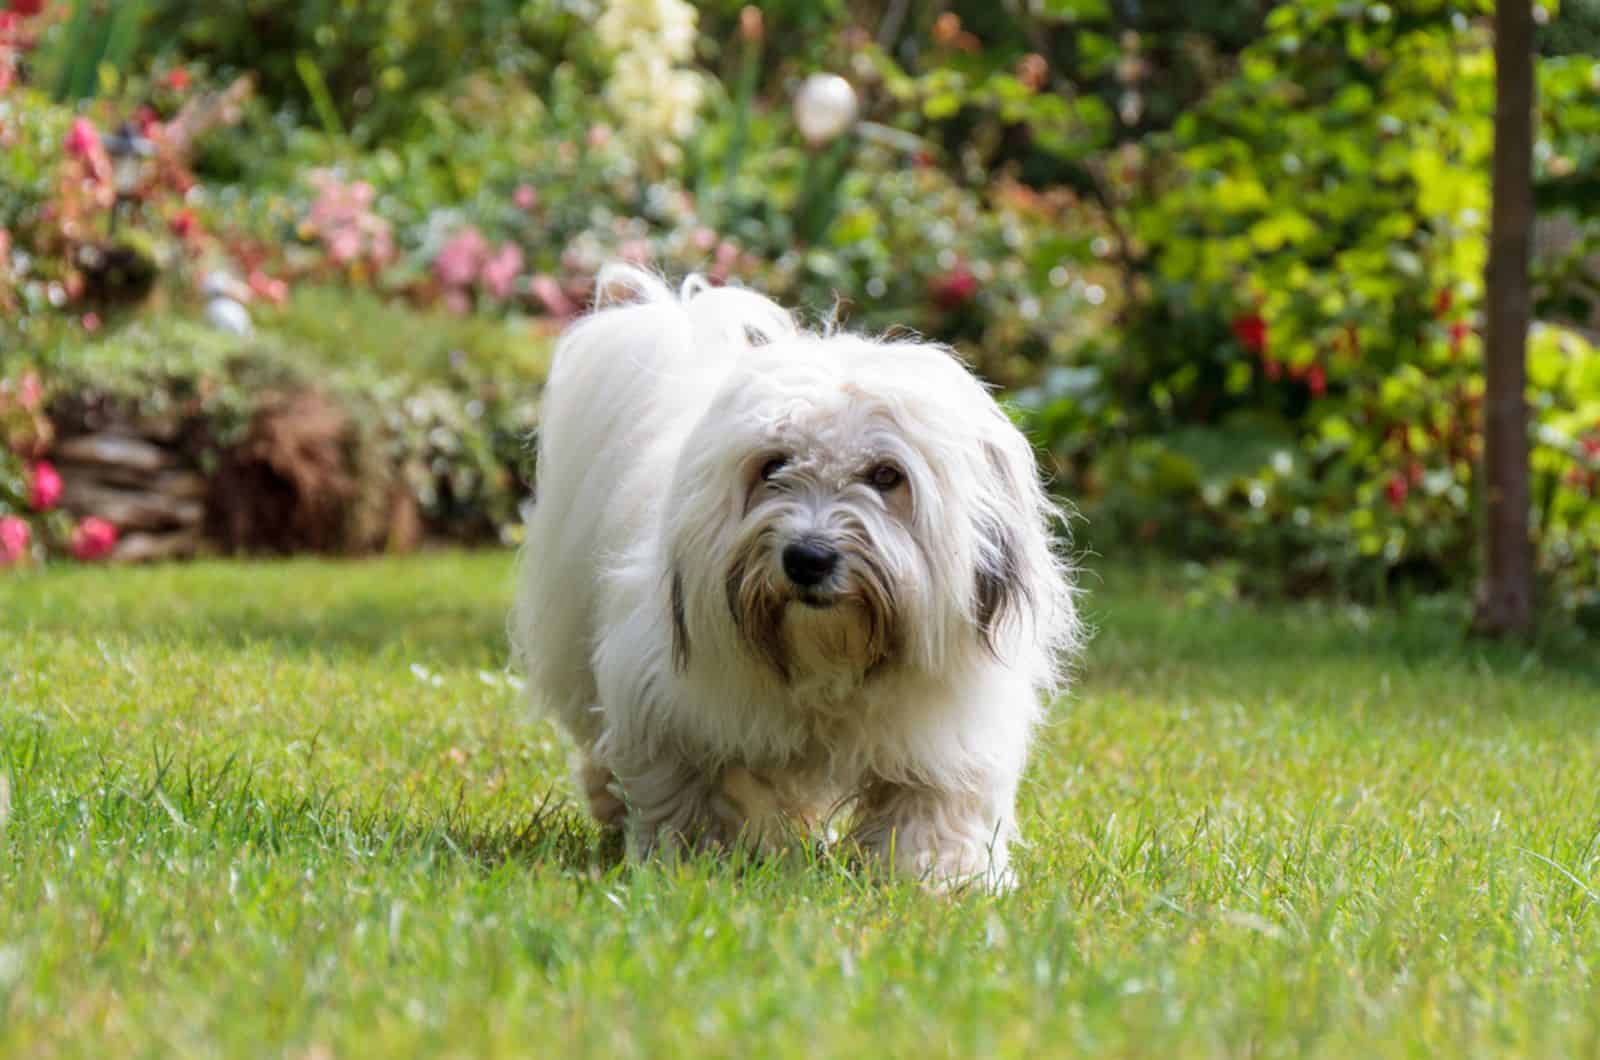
{"type": "Point", "coordinates": [188, 801]}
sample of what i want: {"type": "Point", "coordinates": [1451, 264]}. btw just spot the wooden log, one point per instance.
{"type": "Point", "coordinates": [180, 485]}
{"type": "Point", "coordinates": [150, 548]}
{"type": "Point", "coordinates": [130, 509]}
{"type": "Point", "coordinates": [114, 450]}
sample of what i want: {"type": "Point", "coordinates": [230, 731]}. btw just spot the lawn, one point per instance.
{"type": "Point", "coordinates": [293, 809]}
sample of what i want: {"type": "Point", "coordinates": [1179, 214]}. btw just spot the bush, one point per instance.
{"type": "Point", "coordinates": [358, 66]}
{"type": "Point", "coordinates": [1296, 377]}
{"type": "Point", "coordinates": [449, 423]}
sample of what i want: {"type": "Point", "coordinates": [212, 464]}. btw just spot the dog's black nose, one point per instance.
{"type": "Point", "coordinates": [808, 563]}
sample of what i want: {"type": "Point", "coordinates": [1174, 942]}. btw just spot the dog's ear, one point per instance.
{"type": "Point", "coordinates": [1002, 592]}
{"type": "Point", "coordinates": [680, 625]}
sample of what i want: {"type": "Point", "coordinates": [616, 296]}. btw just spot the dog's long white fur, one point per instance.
{"type": "Point", "coordinates": [710, 704]}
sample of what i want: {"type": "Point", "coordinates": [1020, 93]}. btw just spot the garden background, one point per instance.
{"type": "Point", "coordinates": [277, 279]}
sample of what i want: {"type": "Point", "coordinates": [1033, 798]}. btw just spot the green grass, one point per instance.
{"type": "Point", "coordinates": [293, 809]}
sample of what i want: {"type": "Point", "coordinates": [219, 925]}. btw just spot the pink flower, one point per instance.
{"type": "Point", "coordinates": [461, 258]}
{"type": "Point", "coordinates": [149, 124]}
{"type": "Point", "coordinates": [14, 537]}
{"type": "Point", "coordinates": [44, 491]}
{"type": "Point", "coordinates": [599, 135]}
{"type": "Point", "coordinates": [83, 141]}
{"type": "Point", "coordinates": [343, 220]}
{"type": "Point", "coordinates": [91, 322]}
{"type": "Point", "coordinates": [184, 224]}
{"type": "Point", "coordinates": [93, 539]}
{"type": "Point", "coordinates": [264, 286]}
{"type": "Point", "coordinates": [525, 197]}
{"type": "Point", "coordinates": [344, 245]}
{"type": "Point", "coordinates": [548, 291]}
{"type": "Point", "coordinates": [30, 391]}
{"type": "Point", "coordinates": [499, 273]}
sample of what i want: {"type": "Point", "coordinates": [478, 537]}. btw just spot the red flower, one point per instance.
{"type": "Point", "coordinates": [93, 539]}
{"type": "Point", "coordinates": [1273, 367]}
{"type": "Point", "coordinates": [26, 8]}
{"type": "Point", "coordinates": [953, 289]}
{"type": "Point", "coordinates": [184, 224]}
{"type": "Point", "coordinates": [1396, 490]}
{"type": "Point", "coordinates": [1317, 380]}
{"type": "Point", "coordinates": [1458, 335]}
{"type": "Point", "coordinates": [1442, 304]}
{"type": "Point", "coordinates": [83, 140]}
{"type": "Point", "coordinates": [14, 537]}
{"type": "Point", "coordinates": [178, 79]}
{"type": "Point", "coordinates": [1251, 331]}
{"type": "Point", "coordinates": [149, 123]}
{"type": "Point", "coordinates": [44, 490]}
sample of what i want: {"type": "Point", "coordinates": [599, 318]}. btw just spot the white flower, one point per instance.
{"type": "Point", "coordinates": [662, 27]}
{"type": "Point", "coordinates": [656, 101]}
{"type": "Point", "coordinates": [652, 99]}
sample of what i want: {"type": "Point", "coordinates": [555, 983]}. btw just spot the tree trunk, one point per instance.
{"type": "Point", "coordinates": [1505, 603]}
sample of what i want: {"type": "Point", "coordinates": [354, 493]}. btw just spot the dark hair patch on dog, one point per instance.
{"type": "Point", "coordinates": [680, 625]}
{"type": "Point", "coordinates": [757, 614]}
{"type": "Point", "coordinates": [1001, 593]}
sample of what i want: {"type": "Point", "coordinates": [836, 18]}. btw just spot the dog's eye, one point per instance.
{"type": "Point", "coordinates": [773, 466]}
{"type": "Point", "coordinates": [885, 477]}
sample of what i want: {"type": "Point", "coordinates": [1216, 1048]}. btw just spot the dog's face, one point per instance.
{"type": "Point", "coordinates": [846, 506]}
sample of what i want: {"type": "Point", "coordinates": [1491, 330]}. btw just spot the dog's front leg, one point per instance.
{"type": "Point", "coordinates": [676, 807]}
{"type": "Point", "coordinates": [947, 839]}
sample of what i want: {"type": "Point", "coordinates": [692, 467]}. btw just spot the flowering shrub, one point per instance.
{"type": "Point", "coordinates": [654, 98]}
{"type": "Point", "coordinates": [342, 221]}
{"type": "Point", "coordinates": [84, 233]}
{"type": "Point", "coordinates": [1297, 375]}
{"type": "Point", "coordinates": [1239, 301]}
{"type": "Point", "coordinates": [32, 526]}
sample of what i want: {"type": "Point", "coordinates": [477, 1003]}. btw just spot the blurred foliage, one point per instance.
{"type": "Point", "coordinates": [368, 59]}
{"type": "Point", "coordinates": [1225, 259]}
{"type": "Point", "coordinates": [443, 406]}
{"type": "Point", "coordinates": [1296, 375]}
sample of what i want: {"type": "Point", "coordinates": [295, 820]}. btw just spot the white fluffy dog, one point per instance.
{"type": "Point", "coordinates": [770, 574]}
